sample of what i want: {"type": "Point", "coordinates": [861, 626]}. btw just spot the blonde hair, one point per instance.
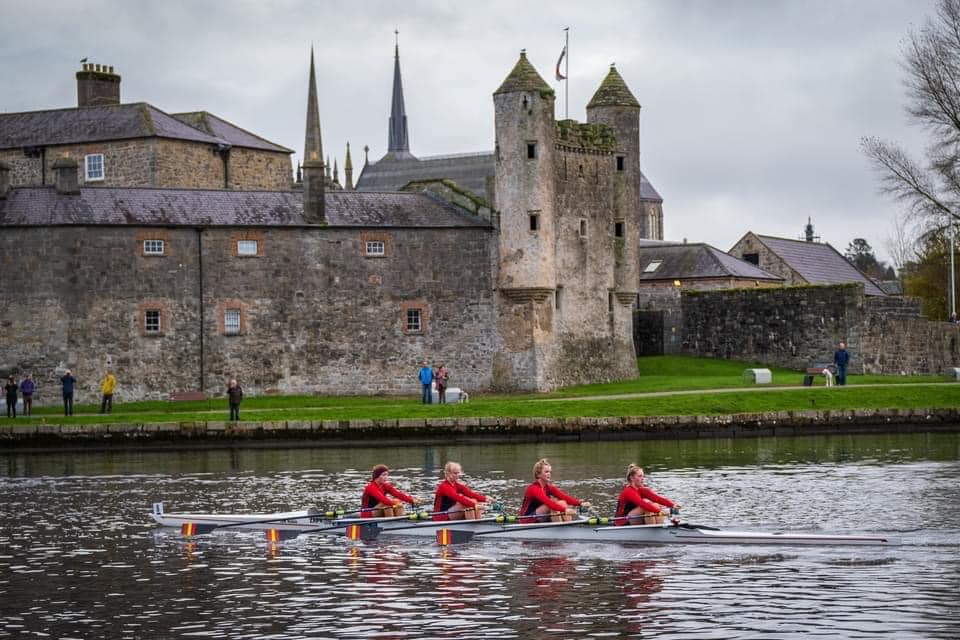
{"type": "Point", "coordinates": [450, 466]}
{"type": "Point", "coordinates": [538, 467]}
{"type": "Point", "coordinates": [632, 470]}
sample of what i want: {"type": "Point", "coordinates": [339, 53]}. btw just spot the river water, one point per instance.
{"type": "Point", "coordinates": [79, 557]}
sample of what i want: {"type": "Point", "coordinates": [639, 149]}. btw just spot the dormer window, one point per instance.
{"type": "Point", "coordinates": [652, 266]}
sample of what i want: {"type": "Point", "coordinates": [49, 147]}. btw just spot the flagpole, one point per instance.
{"type": "Point", "coordinates": [566, 82]}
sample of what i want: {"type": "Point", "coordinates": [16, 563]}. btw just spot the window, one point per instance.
{"type": "Point", "coordinates": [652, 266]}
{"type": "Point", "coordinates": [752, 258]}
{"type": "Point", "coordinates": [153, 248]}
{"type": "Point", "coordinates": [93, 167]}
{"type": "Point", "coordinates": [151, 321]}
{"type": "Point", "coordinates": [583, 228]}
{"type": "Point", "coordinates": [620, 161]}
{"type": "Point", "coordinates": [414, 320]}
{"type": "Point", "coordinates": [375, 248]}
{"type": "Point", "coordinates": [534, 221]}
{"type": "Point", "coordinates": [531, 150]}
{"type": "Point", "coordinates": [231, 322]}
{"type": "Point", "coordinates": [618, 229]}
{"type": "Point", "coordinates": [246, 247]}
{"type": "Point", "coordinates": [556, 296]}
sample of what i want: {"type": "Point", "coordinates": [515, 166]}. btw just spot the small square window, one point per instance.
{"type": "Point", "coordinates": [246, 247]}
{"type": "Point", "coordinates": [414, 320]}
{"type": "Point", "coordinates": [151, 321]}
{"type": "Point", "coordinates": [620, 161]}
{"type": "Point", "coordinates": [531, 150]}
{"type": "Point", "coordinates": [93, 167]}
{"type": "Point", "coordinates": [231, 322]}
{"type": "Point", "coordinates": [534, 221]}
{"type": "Point", "coordinates": [618, 229]}
{"type": "Point", "coordinates": [153, 248]}
{"type": "Point", "coordinates": [375, 248]}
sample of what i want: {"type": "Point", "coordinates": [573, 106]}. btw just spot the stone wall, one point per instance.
{"type": "Point", "coordinates": [254, 169]}
{"type": "Point", "coordinates": [316, 315]}
{"type": "Point", "coordinates": [898, 339]}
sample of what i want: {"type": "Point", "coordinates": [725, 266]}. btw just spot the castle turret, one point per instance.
{"type": "Point", "coordinates": [313, 191]}
{"type": "Point", "coordinates": [614, 105]}
{"type": "Point", "coordinates": [525, 190]}
{"type": "Point", "coordinates": [348, 171]}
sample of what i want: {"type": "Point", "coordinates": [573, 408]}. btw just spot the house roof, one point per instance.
{"type": "Point", "coordinates": [224, 130]}
{"type": "Point", "coordinates": [699, 260]}
{"type": "Point", "coordinates": [79, 125]}
{"type": "Point", "coordinates": [819, 263]}
{"type": "Point", "coordinates": [469, 170]}
{"type": "Point", "coordinates": [42, 206]}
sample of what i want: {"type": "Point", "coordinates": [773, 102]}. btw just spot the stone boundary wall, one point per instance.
{"type": "Point", "coordinates": [422, 431]}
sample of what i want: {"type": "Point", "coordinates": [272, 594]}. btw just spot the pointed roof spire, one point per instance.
{"type": "Point", "coordinates": [523, 77]}
{"type": "Point", "coordinates": [348, 171]}
{"type": "Point", "coordinates": [347, 162]}
{"type": "Point", "coordinates": [398, 143]}
{"type": "Point", "coordinates": [313, 147]}
{"type": "Point", "coordinates": [336, 174]}
{"type": "Point", "coordinates": [613, 92]}
{"type": "Point", "coordinates": [326, 166]}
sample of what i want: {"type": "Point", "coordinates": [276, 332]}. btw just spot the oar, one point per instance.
{"type": "Point", "coordinates": [458, 536]}
{"type": "Point", "coordinates": [196, 528]}
{"type": "Point", "coordinates": [357, 531]}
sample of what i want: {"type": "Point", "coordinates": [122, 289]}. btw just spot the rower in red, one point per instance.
{"type": "Point", "coordinates": [454, 500]}
{"type": "Point", "coordinates": [638, 504]}
{"type": "Point", "coordinates": [544, 501]}
{"type": "Point", "coordinates": [380, 498]}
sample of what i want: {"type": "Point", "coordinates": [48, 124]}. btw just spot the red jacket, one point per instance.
{"type": "Point", "coordinates": [538, 494]}
{"type": "Point", "coordinates": [450, 493]}
{"type": "Point", "coordinates": [374, 494]}
{"type": "Point", "coordinates": [631, 498]}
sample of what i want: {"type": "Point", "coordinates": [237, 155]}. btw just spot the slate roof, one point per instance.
{"type": "Point", "coordinates": [523, 77]}
{"type": "Point", "coordinates": [41, 206]}
{"type": "Point", "coordinates": [78, 125]}
{"type": "Point", "coordinates": [224, 130]}
{"type": "Point", "coordinates": [819, 263]}
{"type": "Point", "coordinates": [469, 170]}
{"type": "Point", "coordinates": [700, 260]}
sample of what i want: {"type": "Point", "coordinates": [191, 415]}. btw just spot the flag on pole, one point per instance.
{"type": "Point", "coordinates": [560, 76]}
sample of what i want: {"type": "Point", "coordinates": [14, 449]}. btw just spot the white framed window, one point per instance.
{"type": "Point", "coordinates": [151, 321]}
{"type": "Point", "coordinates": [153, 248]}
{"type": "Point", "coordinates": [231, 322]}
{"type": "Point", "coordinates": [93, 167]}
{"type": "Point", "coordinates": [375, 248]}
{"type": "Point", "coordinates": [652, 266]}
{"type": "Point", "coordinates": [414, 320]}
{"type": "Point", "coordinates": [247, 247]}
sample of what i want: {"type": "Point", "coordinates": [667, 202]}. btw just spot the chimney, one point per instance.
{"type": "Point", "coordinates": [65, 169]}
{"type": "Point", "coordinates": [4, 179]}
{"type": "Point", "coordinates": [313, 187]}
{"type": "Point", "coordinates": [97, 85]}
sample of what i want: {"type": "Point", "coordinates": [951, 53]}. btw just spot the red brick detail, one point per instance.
{"type": "Point", "coordinates": [221, 310]}
{"type": "Point", "coordinates": [376, 236]}
{"type": "Point", "coordinates": [153, 234]}
{"type": "Point", "coordinates": [424, 316]}
{"type": "Point", "coordinates": [153, 305]}
{"type": "Point", "coordinates": [236, 236]}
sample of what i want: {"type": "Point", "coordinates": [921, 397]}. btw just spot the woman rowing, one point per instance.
{"type": "Point", "coordinates": [543, 501]}
{"type": "Point", "coordinates": [638, 504]}
{"type": "Point", "coordinates": [455, 500]}
{"type": "Point", "coordinates": [381, 499]}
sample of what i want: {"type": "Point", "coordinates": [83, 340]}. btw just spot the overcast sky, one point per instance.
{"type": "Point", "coordinates": [752, 109]}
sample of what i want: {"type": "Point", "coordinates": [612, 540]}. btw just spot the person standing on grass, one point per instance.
{"type": "Point", "coordinates": [27, 387]}
{"type": "Point", "coordinates": [68, 382]}
{"type": "Point", "coordinates": [234, 396]}
{"type": "Point", "coordinates": [11, 389]}
{"type": "Point", "coordinates": [442, 376]}
{"type": "Point", "coordinates": [106, 388]}
{"type": "Point", "coordinates": [841, 358]}
{"type": "Point", "coordinates": [426, 382]}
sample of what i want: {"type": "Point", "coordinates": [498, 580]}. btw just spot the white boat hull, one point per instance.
{"type": "Point", "coordinates": [577, 531]}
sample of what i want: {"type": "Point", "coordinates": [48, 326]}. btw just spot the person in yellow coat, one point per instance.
{"type": "Point", "coordinates": [106, 388]}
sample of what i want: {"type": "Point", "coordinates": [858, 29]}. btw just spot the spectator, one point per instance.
{"type": "Point", "coordinates": [442, 376]}
{"type": "Point", "coordinates": [11, 389]}
{"type": "Point", "coordinates": [27, 387]}
{"type": "Point", "coordinates": [841, 358]}
{"type": "Point", "coordinates": [68, 381]}
{"type": "Point", "coordinates": [234, 395]}
{"type": "Point", "coordinates": [106, 388]}
{"type": "Point", "coordinates": [426, 381]}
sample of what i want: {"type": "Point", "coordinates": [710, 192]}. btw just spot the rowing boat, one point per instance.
{"type": "Point", "coordinates": [292, 524]}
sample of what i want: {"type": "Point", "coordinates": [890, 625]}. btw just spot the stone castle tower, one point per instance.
{"type": "Point", "coordinates": [568, 196]}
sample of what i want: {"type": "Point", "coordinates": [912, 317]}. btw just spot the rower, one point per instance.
{"type": "Point", "coordinates": [380, 498]}
{"type": "Point", "coordinates": [454, 500]}
{"type": "Point", "coordinates": [543, 501]}
{"type": "Point", "coordinates": [638, 504]}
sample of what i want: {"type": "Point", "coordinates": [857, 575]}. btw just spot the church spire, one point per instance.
{"type": "Point", "coordinates": [313, 195]}
{"type": "Point", "coordinates": [398, 145]}
{"type": "Point", "coordinates": [348, 171]}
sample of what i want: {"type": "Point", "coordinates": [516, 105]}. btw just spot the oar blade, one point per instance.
{"type": "Point", "coordinates": [190, 529]}
{"type": "Point", "coordinates": [279, 535]}
{"type": "Point", "coordinates": [363, 532]}
{"type": "Point", "coordinates": [447, 537]}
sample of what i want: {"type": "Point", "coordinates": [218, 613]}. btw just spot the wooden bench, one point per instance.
{"type": "Point", "coordinates": [814, 370]}
{"type": "Point", "coordinates": [179, 396]}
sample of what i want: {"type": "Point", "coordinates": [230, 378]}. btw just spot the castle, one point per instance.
{"type": "Point", "coordinates": [178, 250]}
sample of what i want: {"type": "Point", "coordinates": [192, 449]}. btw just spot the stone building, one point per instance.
{"type": "Point", "coordinates": [179, 250]}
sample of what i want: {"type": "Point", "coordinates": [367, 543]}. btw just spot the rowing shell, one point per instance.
{"type": "Point", "coordinates": [581, 530]}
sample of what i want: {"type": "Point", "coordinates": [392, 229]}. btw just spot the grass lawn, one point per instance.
{"type": "Point", "coordinates": [676, 381]}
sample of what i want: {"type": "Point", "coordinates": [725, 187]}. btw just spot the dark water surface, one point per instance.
{"type": "Point", "coordinates": [79, 557]}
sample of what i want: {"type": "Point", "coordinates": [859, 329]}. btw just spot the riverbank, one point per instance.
{"type": "Point", "coordinates": [449, 430]}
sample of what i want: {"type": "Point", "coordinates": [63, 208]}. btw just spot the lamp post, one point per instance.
{"type": "Point", "coordinates": [953, 284]}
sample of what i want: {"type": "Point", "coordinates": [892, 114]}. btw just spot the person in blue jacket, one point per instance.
{"type": "Point", "coordinates": [841, 358]}
{"type": "Point", "coordinates": [68, 381]}
{"type": "Point", "coordinates": [27, 387]}
{"type": "Point", "coordinates": [426, 381]}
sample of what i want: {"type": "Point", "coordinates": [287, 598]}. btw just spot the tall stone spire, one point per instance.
{"type": "Point", "coordinates": [398, 145]}
{"type": "Point", "coordinates": [313, 187]}
{"type": "Point", "coordinates": [336, 177]}
{"type": "Point", "coordinates": [348, 171]}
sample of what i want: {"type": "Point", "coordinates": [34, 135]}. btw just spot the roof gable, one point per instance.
{"type": "Point", "coordinates": [819, 263]}
{"type": "Point", "coordinates": [700, 260]}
